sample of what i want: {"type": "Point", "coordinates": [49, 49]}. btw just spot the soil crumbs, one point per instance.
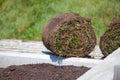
{"type": "Point", "coordinates": [41, 72]}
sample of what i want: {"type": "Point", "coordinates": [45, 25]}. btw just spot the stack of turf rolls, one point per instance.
{"type": "Point", "coordinates": [68, 35]}
{"type": "Point", "coordinates": [110, 41]}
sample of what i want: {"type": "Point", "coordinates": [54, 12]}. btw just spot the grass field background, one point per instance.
{"type": "Point", "coordinates": [25, 19]}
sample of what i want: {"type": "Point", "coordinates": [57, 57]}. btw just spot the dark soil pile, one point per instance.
{"type": "Point", "coordinates": [69, 35]}
{"type": "Point", "coordinates": [110, 41]}
{"type": "Point", "coordinates": [1, 69]}
{"type": "Point", "coordinates": [42, 72]}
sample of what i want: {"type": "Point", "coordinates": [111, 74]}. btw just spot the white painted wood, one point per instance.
{"type": "Point", "coordinates": [8, 58]}
{"type": "Point", "coordinates": [105, 69]}
{"type": "Point", "coordinates": [116, 72]}
{"type": "Point", "coordinates": [35, 47]}
{"type": "Point", "coordinates": [21, 46]}
{"type": "Point", "coordinates": [17, 52]}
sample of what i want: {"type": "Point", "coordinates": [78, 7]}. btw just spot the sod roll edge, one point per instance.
{"type": "Point", "coordinates": [69, 35]}
{"type": "Point", "coordinates": [110, 40]}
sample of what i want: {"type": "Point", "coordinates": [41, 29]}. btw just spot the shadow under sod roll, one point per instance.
{"type": "Point", "coordinates": [69, 35]}
{"type": "Point", "coordinates": [110, 40]}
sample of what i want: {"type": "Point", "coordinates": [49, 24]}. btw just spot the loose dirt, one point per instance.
{"type": "Point", "coordinates": [41, 72]}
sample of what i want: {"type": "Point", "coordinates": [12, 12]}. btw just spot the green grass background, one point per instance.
{"type": "Point", "coordinates": [25, 19]}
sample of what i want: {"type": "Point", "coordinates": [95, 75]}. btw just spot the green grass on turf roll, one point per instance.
{"type": "Point", "coordinates": [110, 41]}
{"type": "Point", "coordinates": [69, 35]}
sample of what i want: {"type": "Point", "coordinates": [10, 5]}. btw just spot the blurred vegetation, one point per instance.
{"type": "Point", "coordinates": [25, 19]}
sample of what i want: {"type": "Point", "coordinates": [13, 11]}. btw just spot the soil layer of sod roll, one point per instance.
{"type": "Point", "coordinates": [110, 40]}
{"type": "Point", "coordinates": [69, 35]}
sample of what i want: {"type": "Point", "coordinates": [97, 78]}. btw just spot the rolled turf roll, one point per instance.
{"type": "Point", "coordinates": [110, 40]}
{"type": "Point", "coordinates": [69, 35]}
